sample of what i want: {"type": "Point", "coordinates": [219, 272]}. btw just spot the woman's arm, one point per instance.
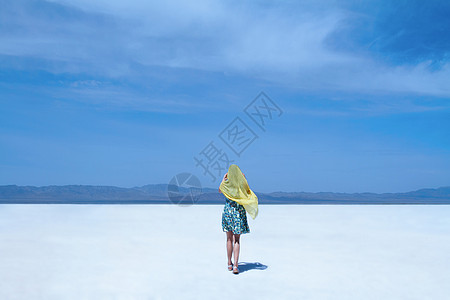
{"type": "Point", "coordinates": [225, 176]}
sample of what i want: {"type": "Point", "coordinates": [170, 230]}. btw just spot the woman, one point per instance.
{"type": "Point", "coordinates": [239, 200]}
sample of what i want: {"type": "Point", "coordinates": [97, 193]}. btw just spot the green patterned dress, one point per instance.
{"type": "Point", "coordinates": [234, 218]}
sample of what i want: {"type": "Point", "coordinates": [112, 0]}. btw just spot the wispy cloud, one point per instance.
{"type": "Point", "coordinates": [288, 44]}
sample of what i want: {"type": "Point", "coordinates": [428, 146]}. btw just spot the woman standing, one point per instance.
{"type": "Point", "coordinates": [239, 200]}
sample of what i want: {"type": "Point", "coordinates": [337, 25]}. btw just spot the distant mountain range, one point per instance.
{"type": "Point", "coordinates": [158, 194]}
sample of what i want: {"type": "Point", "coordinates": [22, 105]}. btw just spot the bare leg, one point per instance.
{"type": "Point", "coordinates": [236, 247]}
{"type": "Point", "coordinates": [229, 246]}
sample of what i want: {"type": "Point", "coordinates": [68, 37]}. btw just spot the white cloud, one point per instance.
{"type": "Point", "coordinates": [276, 44]}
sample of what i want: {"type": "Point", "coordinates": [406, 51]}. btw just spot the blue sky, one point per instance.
{"type": "Point", "coordinates": [126, 93]}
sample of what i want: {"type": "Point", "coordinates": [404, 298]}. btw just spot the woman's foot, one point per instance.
{"type": "Point", "coordinates": [235, 270]}
{"type": "Point", "coordinates": [230, 267]}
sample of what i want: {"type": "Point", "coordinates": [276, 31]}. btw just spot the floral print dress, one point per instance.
{"type": "Point", "coordinates": [234, 218]}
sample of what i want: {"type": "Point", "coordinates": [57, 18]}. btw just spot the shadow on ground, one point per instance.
{"type": "Point", "coordinates": [246, 266]}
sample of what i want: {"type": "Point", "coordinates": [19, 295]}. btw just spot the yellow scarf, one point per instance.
{"type": "Point", "coordinates": [236, 189]}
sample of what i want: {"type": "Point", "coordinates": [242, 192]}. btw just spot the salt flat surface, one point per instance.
{"type": "Point", "coordinates": [172, 252]}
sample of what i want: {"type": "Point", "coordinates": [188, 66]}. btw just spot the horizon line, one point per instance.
{"type": "Point", "coordinates": [91, 185]}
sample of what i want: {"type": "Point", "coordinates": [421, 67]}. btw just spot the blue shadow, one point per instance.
{"type": "Point", "coordinates": [246, 266]}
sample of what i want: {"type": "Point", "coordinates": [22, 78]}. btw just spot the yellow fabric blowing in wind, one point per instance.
{"type": "Point", "coordinates": [236, 189]}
